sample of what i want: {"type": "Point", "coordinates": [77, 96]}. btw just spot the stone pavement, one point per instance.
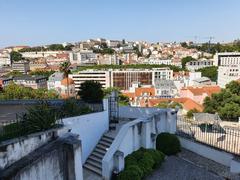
{"type": "Point", "coordinates": [175, 168]}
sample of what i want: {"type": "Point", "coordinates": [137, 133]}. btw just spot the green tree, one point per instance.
{"type": "Point", "coordinates": [226, 103]}
{"type": "Point", "coordinates": [210, 72]}
{"type": "Point", "coordinates": [91, 91]}
{"type": "Point", "coordinates": [186, 60]}
{"type": "Point", "coordinates": [230, 111]}
{"type": "Point", "coordinates": [190, 113]}
{"type": "Point", "coordinates": [234, 87]}
{"type": "Point", "coordinates": [65, 68]}
{"type": "Point", "coordinates": [16, 56]}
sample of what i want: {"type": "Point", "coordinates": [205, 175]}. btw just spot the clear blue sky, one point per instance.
{"type": "Point", "coordinates": [36, 22]}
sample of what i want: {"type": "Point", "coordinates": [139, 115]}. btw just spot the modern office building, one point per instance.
{"type": "Point", "coordinates": [123, 78]}
{"type": "Point", "coordinates": [227, 58]}
{"type": "Point", "coordinates": [226, 74]}
{"type": "Point", "coordinates": [103, 77]}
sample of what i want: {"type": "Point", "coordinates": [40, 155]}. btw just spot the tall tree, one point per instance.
{"type": "Point", "coordinates": [16, 56]}
{"type": "Point", "coordinates": [65, 68]}
{"type": "Point", "coordinates": [91, 91]}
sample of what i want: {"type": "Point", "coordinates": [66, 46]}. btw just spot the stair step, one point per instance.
{"type": "Point", "coordinates": [97, 154]}
{"type": "Point", "coordinates": [99, 146]}
{"type": "Point", "coordinates": [94, 163]}
{"type": "Point", "coordinates": [95, 158]}
{"type": "Point", "coordinates": [108, 137]}
{"type": "Point", "coordinates": [107, 144]}
{"type": "Point", "coordinates": [100, 151]}
{"type": "Point", "coordinates": [93, 169]}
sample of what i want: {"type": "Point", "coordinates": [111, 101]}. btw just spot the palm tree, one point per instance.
{"type": "Point", "coordinates": [65, 68]}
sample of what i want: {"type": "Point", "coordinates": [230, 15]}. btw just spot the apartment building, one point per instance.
{"type": "Point", "coordinates": [5, 59]}
{"type": "Point", "coordinates": [226, 74]}
{"type": "Point", "coordinates": [34, 82]}
{"type": "Point", "coordinates": [227, 58]}
{"type": "Point", "coordinates": [195, 65]}
{"type": "Point", "coordinates": [103, 77]}
{"type": "Point", "coordinates": [21, 66]}
{"type": "Point", "coordinates": [82, 57]}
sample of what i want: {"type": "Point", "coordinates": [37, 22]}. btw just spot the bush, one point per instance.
{"type": "Point", "coordinates": [141, 163]}
{"type": "Point", "coordinates": [157, 156]}
{"type": "Point", "coordinates": [168, 144]}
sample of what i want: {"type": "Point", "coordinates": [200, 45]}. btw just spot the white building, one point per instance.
{"type": "Point", "coordinates": [226, 74]}
{"type": "Point", "coordinates": [54, 81]}
{"type": "Point", "coordinates": [195, 65]}
{"type": "Point", "coordinates": [82, 57]}
{"type": "Point", "coordinates": [103, 77]}
{"type": "Point", "coordinates": [227, 58]}
{"type": "Point", "coordinates": [113, 43]}
{"type": "Point", "coordinates": [5, 59]}
{"type": "Point", "coordinates": [157, 61]}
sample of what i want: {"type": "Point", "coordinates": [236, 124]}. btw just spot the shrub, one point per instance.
{"type": "Point", "coordinates": [129, 175]}
{"type": "Point", "coordinates": [157, 156]}
{"type": "Point", "coordinates": [140, 163]}
{"type": "Point", "coordinates": [168, 143]}
{"type": "Point", "coordinates": [146, 163]}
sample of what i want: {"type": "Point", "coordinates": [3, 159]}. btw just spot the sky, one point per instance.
{"type": "Point", "coordinates": [39, 22]}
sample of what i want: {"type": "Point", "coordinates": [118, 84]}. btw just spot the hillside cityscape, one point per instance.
{"type": "Point", "coordinates": [120, 90]}
{"type": "Point", "coordinates": [183, 74]}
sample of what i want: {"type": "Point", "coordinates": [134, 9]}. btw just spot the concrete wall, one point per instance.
{"type": "Point", "coordinates": [167, 117]}
{"type": "Point", "coordinates": [90, 128]}
{"type": "Point", "coordinates": [14, 149]}
{"type": "Point", "coordinates": [141, 132]}
{"type": "Point", "coordinates": [219, 156]}
{"type": "Point", "coordinates": [58, 159]}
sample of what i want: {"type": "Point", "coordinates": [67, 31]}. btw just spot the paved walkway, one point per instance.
{"type": "Point", "coordinates": [175, 168]}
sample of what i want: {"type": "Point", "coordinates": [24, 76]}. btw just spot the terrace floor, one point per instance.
{"type": "Point", "coordinates": [190, 166]}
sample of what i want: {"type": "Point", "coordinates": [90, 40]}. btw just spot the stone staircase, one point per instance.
{"type": "Point", "coordinates": [94, 161]}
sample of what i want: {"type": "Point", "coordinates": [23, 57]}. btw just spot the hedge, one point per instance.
{"type": "Point", "coordinates": [141, 163]}
{"type": "Point", "coordinates": [168, 143]}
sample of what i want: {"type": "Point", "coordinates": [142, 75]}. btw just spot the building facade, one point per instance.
{"type": "Point", "coordinates": [195, 65]}
{"type": "Point", "coordinates": [21, 66]}
{"type": "Point", "coordinates": [227, 58]}
{"type": "Point", "coordinates": [226, 74]}
{"type": "Point", "coordinates": [34, 82]}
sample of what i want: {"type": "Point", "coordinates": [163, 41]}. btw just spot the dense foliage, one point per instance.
{"type": "Point", "coordinates": [41, 117]}
{"type": "Point", "coordinates": [168, 143]}
{"type": "Point", "coordinates": [52, 47]}
{"type": "Point", "coordinates": [71, 107]}
{"type": "Point", "coordinates": [42, 73]}
{"type": "Point", "coordinates": [14, 91]}
{"type": "Point", "coordinates": [91, 91]}
{"type": "Point", "coordinates": [213, 48]}
{"type": "Point", "coordinates": [16, 56]}
{"type": "Point", "coordinates": [130, 66]}
{"type": "Point", "coordinates": [226, 103]}
{"type": "Point", "coordinates": [210, 72]}
{"type": "Point", "coordinates": [141, 163]}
